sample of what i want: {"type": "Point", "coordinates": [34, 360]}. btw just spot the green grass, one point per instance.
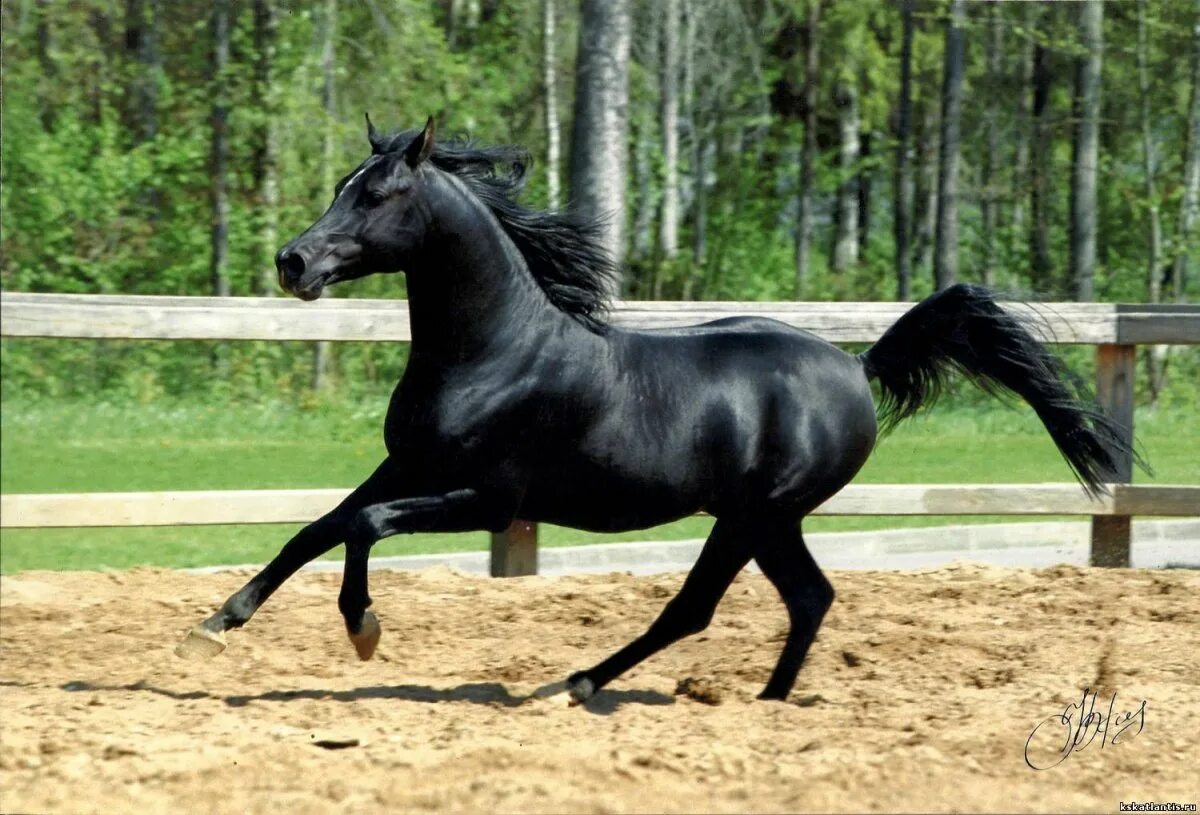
{"type": "Point", "coordinates": [57, 447]}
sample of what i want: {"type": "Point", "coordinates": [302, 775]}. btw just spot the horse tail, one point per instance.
{"type": "Point", "coordinates": [963, 329]}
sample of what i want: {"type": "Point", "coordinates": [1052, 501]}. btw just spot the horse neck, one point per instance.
{"type": "Point", "coordinates": [471, 291]}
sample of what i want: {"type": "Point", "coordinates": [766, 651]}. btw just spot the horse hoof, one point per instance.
{"type": "Point", "coordinates": [581, 688]}
{"type": "Point", "coordinates": [200, 643]}
{"type": "Point", "coordinates": [367, 637]}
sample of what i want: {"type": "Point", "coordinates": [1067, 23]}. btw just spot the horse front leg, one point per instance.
{"type": "Point", "coordinates": [208, 638]}
{"type": "Point", "coordinates": [457, 511]}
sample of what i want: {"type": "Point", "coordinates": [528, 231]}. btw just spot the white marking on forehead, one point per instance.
{"type": "Point", "coordinates": [354, 177]}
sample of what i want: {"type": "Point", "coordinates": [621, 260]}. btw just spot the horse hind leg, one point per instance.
{"type": "Point", "coordinates": [807, 594]}
{"type": "Point", "coordinates": [689, 612]}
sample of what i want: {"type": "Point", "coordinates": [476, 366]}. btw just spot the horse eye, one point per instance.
{"type": "Point", "coordinates": [374, 198]}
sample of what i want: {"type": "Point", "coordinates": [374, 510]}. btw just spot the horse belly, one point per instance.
{"type": "Point", "coordinates": [604, 502]}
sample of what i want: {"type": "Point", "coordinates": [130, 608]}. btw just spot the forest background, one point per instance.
{"type": "Point", "coordinates": [750, 150]}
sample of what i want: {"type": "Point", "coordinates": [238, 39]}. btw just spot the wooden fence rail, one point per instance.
{"type": "Point", "coordinates": [211, 507]}
{"type": "Point", "coordinates": [1115, 329]}
{"type": "Point", "coordinates": [102, 316]}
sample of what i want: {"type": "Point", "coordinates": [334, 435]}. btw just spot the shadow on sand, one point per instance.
{"type": "Point", "coordinates": [495, 694]}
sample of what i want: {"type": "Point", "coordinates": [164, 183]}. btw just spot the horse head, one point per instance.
{"type": "Point", "coordinates": [373, 224]}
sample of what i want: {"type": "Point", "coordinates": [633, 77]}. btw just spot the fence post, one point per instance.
{"type": "Point", "coordinates": [514, 551]}
{"type": "Point", "coordinates": [1115, 376]}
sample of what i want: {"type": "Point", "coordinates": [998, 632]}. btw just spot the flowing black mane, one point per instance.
{"type": "Point", "coordinates": [562, 250]}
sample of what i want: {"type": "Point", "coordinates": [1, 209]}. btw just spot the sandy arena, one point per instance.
{"type": "Point", "coordinates": [919, 695]}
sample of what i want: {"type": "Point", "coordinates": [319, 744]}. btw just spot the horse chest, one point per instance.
{"type": "Point", "coordinates": [454, 422]}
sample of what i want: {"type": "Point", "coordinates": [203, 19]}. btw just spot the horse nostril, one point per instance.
{"type": "Point", "coordinates": [290, 264]}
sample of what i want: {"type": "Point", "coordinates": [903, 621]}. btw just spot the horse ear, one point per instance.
{"type": "Point", "coordinates": [373, 136]}
{"type": "Point", "coordinates": [419, 149]}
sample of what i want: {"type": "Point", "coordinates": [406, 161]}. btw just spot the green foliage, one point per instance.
{"type": "Point", "coordinates": [88, 204]}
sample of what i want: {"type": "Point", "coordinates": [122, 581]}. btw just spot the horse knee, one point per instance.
{"type": "Point", "coordinates": [360, 531]}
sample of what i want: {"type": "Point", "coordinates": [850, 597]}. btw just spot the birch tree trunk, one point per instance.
{"type": "Point", "coordinates": [1149, 163]}
{"type": "Point", "coordinates": [845, 247]}
{"type": "Point", "coordinates": [1189, 202]}
{"type": "Point", "coordinates": [599, 153]}
{"type": "Point", "coordinates": [808, 153]}
{"type": "Point", "coordinates": [926, 195]}
{"type": "Point", "coordinates": [645, 126]}
{"type": "Point", "coordinates": [1086, 151]}
{"type": "Point", "coordinates": [1156, 356]}
{"type": "Point", "coordinates": [902, 178]}
{"type": "Point", "coordinates": [694, 196]}
{"type": "Point", "coordinates": [945, 259]}
{"type": "Point", "coordinates": [688, 112]}
{"type": "Point", "coordinates": [549, 73]}
{"type": "Point", "coordinates": [668, 222]}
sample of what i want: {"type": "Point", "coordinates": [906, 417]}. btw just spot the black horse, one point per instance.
{"type": "Point", "coordinates": [520, 401]}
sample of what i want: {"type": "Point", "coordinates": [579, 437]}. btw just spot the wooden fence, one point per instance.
{"type": "Point", "coordinates": [1115, 330]}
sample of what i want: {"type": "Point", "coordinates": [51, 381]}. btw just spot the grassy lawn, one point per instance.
{"type": "Point", "coordinates": [100, 448]}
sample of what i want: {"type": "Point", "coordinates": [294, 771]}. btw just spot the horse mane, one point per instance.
{"type": "Point", "coordinates": [562, 250]}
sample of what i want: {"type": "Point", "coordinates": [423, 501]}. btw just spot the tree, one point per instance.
{"type": "Point", "coordinates": [321, 351]}
{"type": "Point", "coordinates": [599, 154]}
{"type": "Point", "coordinates": [44, 40]}
{"type": "Point", "coordinates": [989, 199]}
{"type": "Point", "coordinates": [1149, 163]}
{"type": "Point", "coordinates": [865, 172]}
{"type": "Point", "coordinates": [698, 139]}
{"type": "Point", "coordinates": [141, 44]}
{"type": "Point", "coordinates": [845, 246]}
{"type": "Point", "coordinates": [645, 128]}
{"type": "Point", "coordinates": [1086, 151]}
{"type": "Point", "coordinates": [1156, 356]}
{"type": "Point", "coordinates": [1040, 263]}
{"type": "Point", "coordinates": [1023, 129]}
{"type": "Point", "coordinates": [549, 72]}
{"type": "Point", "coordinates": [925, 196]}
{"type": "Point", "coordinates": [668, 222]}
{"type": "Point", "coordinates": [462, 20]}
{"type": "Point", "coordinates": [902, 177]}
{"type": "Point", "coordinates": [808, 152]}
{"type": "Point", "coordinates": [1189, 202]}
{"type": "Point", "coordinates": [265, 158]}
{"type": "Point", "coordinates": [945, 262]}
{"type": "Point", "coordinates": [219, 154]}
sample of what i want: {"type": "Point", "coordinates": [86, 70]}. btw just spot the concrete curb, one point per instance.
{"type": "Point", "coordinates": [1156, 544]}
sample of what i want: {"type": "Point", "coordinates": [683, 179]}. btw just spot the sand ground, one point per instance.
{"type": "Point", "coordinates": [919, 695]}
